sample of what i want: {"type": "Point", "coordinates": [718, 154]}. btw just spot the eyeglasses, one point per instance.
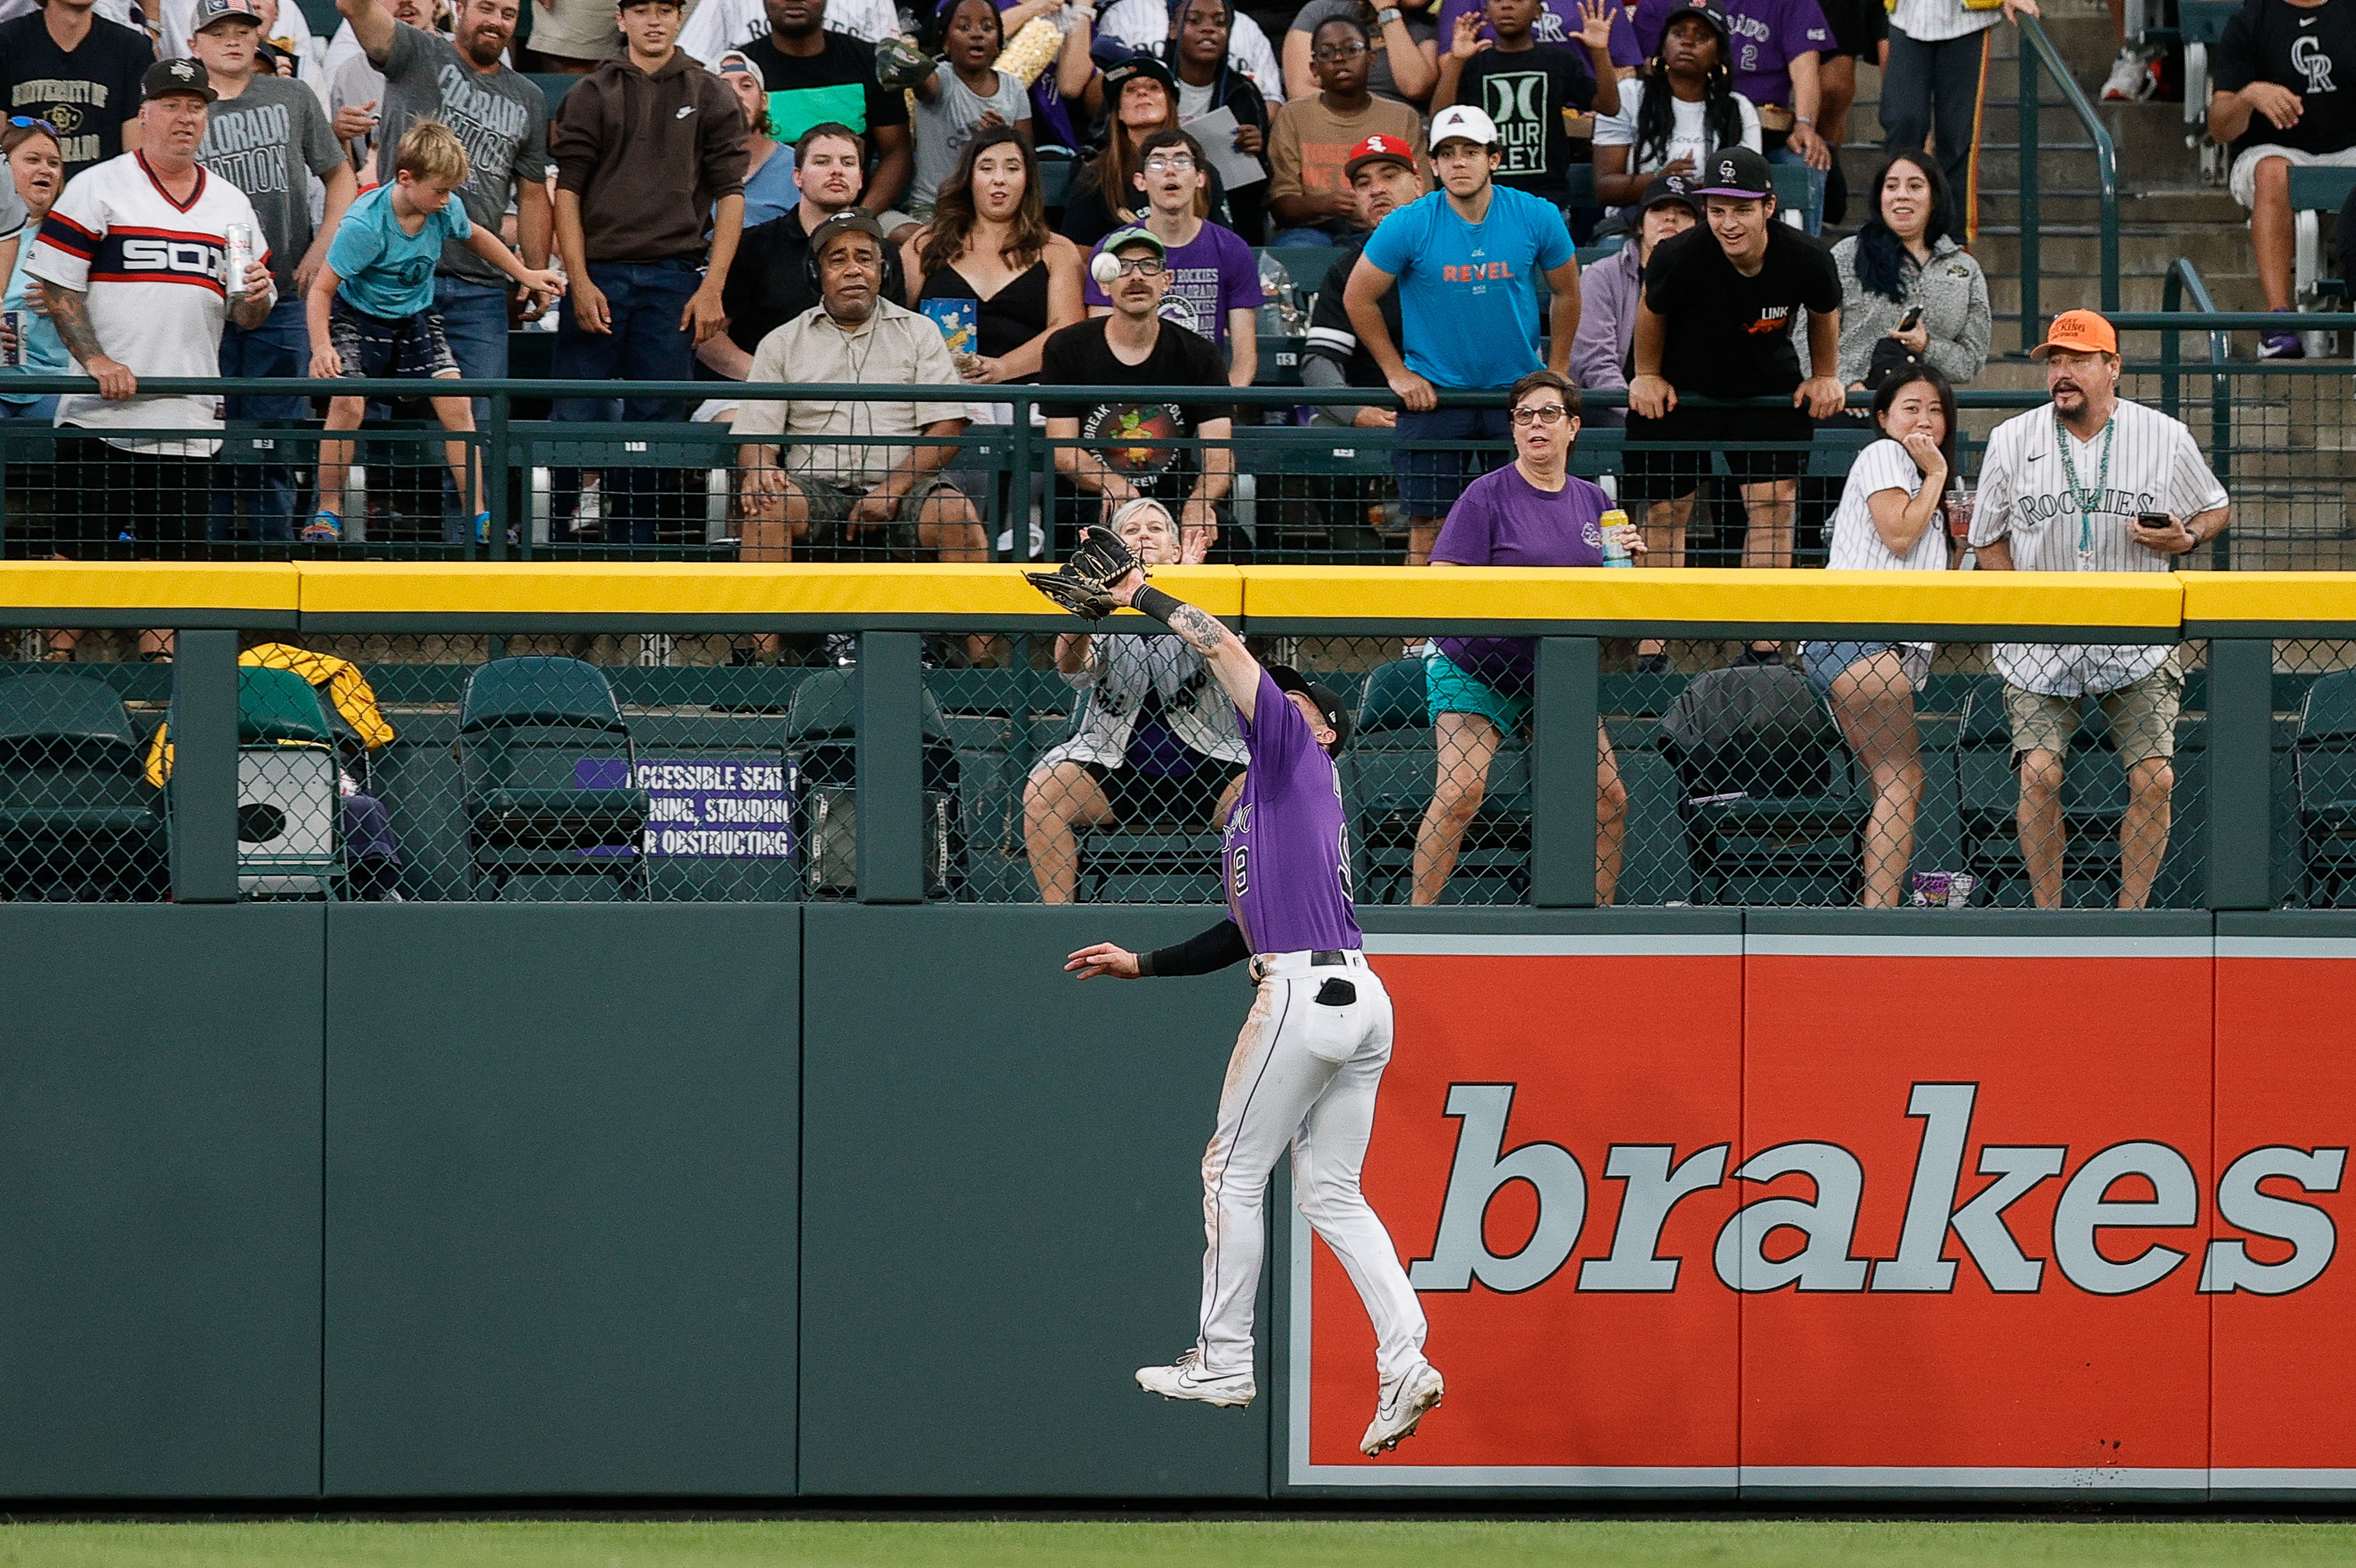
{"type": "Point", "coordinates": [1170, 162]}
{"type": "Point", "coordinates": [1546, 413]}
{"type": "Point", "coordinates": [26, 122]}
{"type": "Point", "coordinates": [1140, 266]}
{"type": "Point", "coordinates": [1332, 52]}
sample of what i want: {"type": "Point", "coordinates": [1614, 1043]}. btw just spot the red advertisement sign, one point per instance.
{"type": "Point", "coordinates": [1839, 1212]}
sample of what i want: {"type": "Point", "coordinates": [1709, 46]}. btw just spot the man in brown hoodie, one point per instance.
{"type": "Point", "coordinates": [650, 155]}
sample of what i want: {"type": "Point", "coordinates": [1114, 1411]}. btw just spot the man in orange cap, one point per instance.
{"type": "Point", "coordinates": [2091, 482]}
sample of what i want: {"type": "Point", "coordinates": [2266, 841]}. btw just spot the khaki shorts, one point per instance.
{"type": "Point", "coordinates": [2142, 717]}
{"type": "Point", "coordinates": [829, 513]}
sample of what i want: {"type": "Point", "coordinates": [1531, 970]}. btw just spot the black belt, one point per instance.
{"type": "Point", "coordinates": [1326, 958]}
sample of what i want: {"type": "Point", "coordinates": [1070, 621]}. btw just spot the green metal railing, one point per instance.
{"type": "Point", "coordinates": [2037, 47]}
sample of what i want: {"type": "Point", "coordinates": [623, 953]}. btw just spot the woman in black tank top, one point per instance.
{"type": "Point", "coordinates": [990, 243]}
{"type": "Point", "coordinates": [990, 261]}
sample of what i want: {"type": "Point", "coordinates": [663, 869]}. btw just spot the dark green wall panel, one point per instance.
{"type": "Point", "coordinates": [562, 1200]}
{"type": "Point", "coordinates": [159, 1201]}
{"type": "Point", "coordinates": [1002, 1208]}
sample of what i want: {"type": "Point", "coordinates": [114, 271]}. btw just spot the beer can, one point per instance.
{"type": "Point", "coordinates": [1617, 532]}
{"type": "Point", "coordinates": [238, 257]}
{"type": "Point", "coordinates": [12, 341]}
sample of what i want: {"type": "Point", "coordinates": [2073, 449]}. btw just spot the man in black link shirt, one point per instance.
{"type": "Point", "coordinates": [773, 279]}
{"type": "Point", "coordinates": [1716, 322]}
{"type": "Point", "coordinates": [1120, 450]}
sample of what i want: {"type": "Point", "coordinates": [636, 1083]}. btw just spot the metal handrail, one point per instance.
{"type": "Point", "coordinates": [2184, 278]}
{"type": "Point", "coordinates": [2037, 46]}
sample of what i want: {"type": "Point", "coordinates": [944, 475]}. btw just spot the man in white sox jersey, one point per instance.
{"type": "Point", "coordinates": [1312, 1051]}
{"type": "Point", "coordinates": [2091, 482]}
{"type": "Point", "coordinates": [131, 261]}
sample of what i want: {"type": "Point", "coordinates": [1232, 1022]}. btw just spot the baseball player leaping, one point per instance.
{"type": "Point", "coordinates": [1312, 1053]}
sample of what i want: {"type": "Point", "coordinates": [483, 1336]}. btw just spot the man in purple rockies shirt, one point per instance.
{"type": "Point", "coordinates": [1312, 1053]}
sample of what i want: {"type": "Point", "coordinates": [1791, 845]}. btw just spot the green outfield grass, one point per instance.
{"type": "Point", "coordinates": [1279, 1543]}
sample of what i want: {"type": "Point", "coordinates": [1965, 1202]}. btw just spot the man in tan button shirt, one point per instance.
{"type": "Point", "coordinates": [832, 490]}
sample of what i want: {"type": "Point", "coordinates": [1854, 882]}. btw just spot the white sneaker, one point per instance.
{"type": "Point", "coordinates": [2134, 77]}
{"type": "Point", "coordinates": [1185, 1379]}
{"type": "Point", "coordinates": [1404, 1404]}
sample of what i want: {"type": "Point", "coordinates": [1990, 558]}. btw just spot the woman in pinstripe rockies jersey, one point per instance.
{"type": "Point", "coordinates": [2091, 482]}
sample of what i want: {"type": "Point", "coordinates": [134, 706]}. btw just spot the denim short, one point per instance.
{"type": "Point", "coordinates": [1450, 690]}
{"type": "Point", "coordinates": [376, 345]}
{"type": "Point", "coordinates": [1825, 661]}
{"type": "Point", "coordinates": [1429, 482]}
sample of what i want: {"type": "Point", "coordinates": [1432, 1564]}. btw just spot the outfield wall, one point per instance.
{"type": "Point", "coordinates": [839, 1201]}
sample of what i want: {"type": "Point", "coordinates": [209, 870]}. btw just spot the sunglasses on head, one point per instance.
{"type": "Point", "coordinates": [26, 121]}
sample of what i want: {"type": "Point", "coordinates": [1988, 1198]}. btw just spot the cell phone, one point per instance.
{"type": "Point", "coordinates": [2153, 520]}
{"type": "Point", "coordinates": [1911, 320]}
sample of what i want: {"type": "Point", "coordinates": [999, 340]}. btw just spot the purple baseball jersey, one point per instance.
{"type": "Point", "coordinates": [1286, 855]}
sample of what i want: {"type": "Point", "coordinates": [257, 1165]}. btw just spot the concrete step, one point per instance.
{"type": "Point", "coordinates": [2066, 291]}
{"type": "Point", "coordinates": [2063, 248]}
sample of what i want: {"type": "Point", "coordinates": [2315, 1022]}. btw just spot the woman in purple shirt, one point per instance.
{"type": "Point", "coordinates": [1533, 512]}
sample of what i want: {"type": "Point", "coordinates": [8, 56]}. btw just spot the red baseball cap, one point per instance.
{"type": "Point", "coordinates": [1376, 149]}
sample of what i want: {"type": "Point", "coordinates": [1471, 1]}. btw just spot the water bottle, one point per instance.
{"type": "Point", "coordinates": [1275, 289]}
{"type": "Point", "coordinates": [1616, 529]}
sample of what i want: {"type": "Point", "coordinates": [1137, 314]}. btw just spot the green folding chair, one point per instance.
{"type": "Point", "coordinates": [77, 820]}
{"type": "Point", "coordinates": [548, 773]}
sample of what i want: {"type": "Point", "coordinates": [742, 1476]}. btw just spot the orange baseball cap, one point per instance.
{"type": "Point", "coordinates": [2079, 332]}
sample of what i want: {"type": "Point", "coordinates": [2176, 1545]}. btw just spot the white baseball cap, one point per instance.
{"type": "Point", "coordinates": [1464, 122]}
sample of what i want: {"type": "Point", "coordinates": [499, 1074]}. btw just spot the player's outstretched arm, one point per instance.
{"type": "Point", "coordinates": [1202, 954]}
{"type": "Point", "coordinates": [1232, 665]}
{"type": "Point", "coordinates": [1104, 959]}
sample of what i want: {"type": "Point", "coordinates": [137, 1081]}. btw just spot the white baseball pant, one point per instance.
{"type": "Point", "coordinates": [1303, 1073]}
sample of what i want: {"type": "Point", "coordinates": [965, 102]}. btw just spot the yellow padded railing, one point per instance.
{"type": "Point", "coordinates": [351, 591]}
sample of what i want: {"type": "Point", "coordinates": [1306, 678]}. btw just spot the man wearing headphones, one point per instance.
{"type": "Point", "coordinates": [833, 489]}
{"type": "Point", "coordinates": [1125, 448]}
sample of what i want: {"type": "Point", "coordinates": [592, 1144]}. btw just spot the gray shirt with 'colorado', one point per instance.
{"type": "Point", "coordinates": [268, 142]}
{"type": "Point", "coordinates": [500, 116]}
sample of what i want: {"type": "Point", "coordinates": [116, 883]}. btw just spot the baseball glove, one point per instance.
{"type": "Point", "coordinates": [901, 64]}
{"type": "Point", "coordinates": [1084, 585]}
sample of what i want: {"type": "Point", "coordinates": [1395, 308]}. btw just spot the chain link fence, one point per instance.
{"type": "Point", "coordinates": [671, 766]}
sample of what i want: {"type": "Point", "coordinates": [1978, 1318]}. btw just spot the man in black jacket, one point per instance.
{"type": "Point", "coordinates": [773, 279]}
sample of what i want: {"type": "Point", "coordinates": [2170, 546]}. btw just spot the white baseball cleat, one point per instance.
{"type": "Point", "coordinates": [1185, 1379]}
{"type": "Point", "coordinates": [1404, 1404]}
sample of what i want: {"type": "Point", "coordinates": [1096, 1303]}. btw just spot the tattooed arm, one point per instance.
{"type": "Point", "coordinates": [1236, 671]}
{"type": "Point", "coordinates": [70, 314]}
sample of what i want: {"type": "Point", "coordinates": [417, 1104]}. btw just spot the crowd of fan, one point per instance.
{"type": "Point", "coordinates": [681, 190]}
{"type": "Point", "coordinates": [795, 194]}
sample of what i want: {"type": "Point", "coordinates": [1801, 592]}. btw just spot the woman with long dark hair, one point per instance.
{"type": "Point", "coordinates": [1678, 110]}
{"type": "Point", "coordinates": [1890, 520]}
{"type": "Point", "coordinates": [1904, 257]}
{"type": "Point", "coordinates": [989, 242]}
{"type": "Point", "coordinates": [989, 260]}
{"type": "Point", "coordinates": [1140, 97]}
